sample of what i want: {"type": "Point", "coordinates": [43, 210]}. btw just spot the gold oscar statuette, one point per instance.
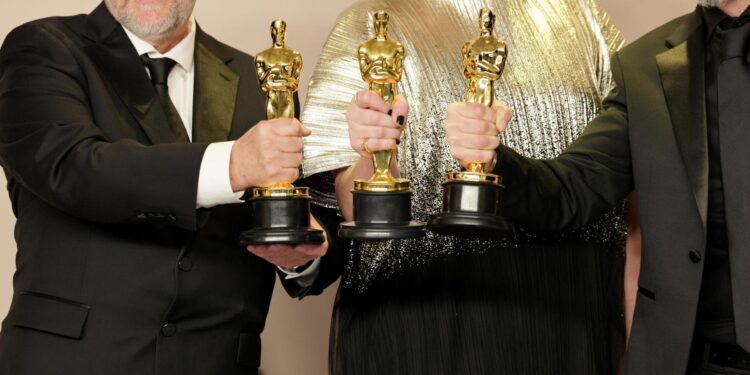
{"type": "Point", "coordinates": [471, 198]}
{"type": "Point", "coordinates": [382, 204]}
{"type": "Point", "coordinates": [381, 61]}
{"type": "Point", "coordinates": [279, 69]}
{"type": "Point", "coordinates": [281, 212]}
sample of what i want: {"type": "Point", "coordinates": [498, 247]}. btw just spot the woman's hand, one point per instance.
{"type": "Point", "coordinates": [373, 124]}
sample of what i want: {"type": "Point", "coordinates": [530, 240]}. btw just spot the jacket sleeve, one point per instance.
{"type": "Point", "coordinates": [332, 264]}
{"type": "Point", "coordinates": [590, 177]}
{"type": "Point", "coordinates": [51, 144]}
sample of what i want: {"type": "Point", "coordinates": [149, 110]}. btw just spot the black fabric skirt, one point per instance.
{"type": "Point", "coordinates": [532, 309]}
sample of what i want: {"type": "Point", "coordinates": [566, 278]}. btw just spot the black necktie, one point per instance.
{"type": "Point", "coordinates": [159, 70]}
{"type": "Point", "coordinates": [733, 34]}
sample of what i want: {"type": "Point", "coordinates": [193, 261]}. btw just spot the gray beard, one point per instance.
{"type": "Point", "coordinates": [712, 3]}
{"type": "Point", "coordinates": [152, 31]}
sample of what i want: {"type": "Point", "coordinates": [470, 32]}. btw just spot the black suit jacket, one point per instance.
{"type": "Point", "coordinates": [651, 136]}
{"type": "Point", "coordinates": [117, 272]}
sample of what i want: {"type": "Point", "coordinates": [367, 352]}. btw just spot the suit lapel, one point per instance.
{"type": "Point", "coordinates": [120, 65]}
{"type": "Point", "coordinates": [682, 75]}
{"type": "Point", "coordinates": [215, 95]}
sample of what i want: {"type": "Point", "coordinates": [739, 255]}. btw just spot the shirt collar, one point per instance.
{"type": "Point", "coordinates": [183, 53]}
{"type": "Point", "coordinates": [713, 16]}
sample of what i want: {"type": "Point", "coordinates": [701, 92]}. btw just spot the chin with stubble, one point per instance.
{"type": "Point", "coordinates": [712, 3]}
{"type": "Point", "coordinates": [151, 20]}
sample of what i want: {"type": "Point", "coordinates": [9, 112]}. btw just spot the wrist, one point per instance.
{"type": "Point", "coordinates": [236, 178]}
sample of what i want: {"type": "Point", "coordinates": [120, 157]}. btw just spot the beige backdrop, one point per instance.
{"type": "Point", "coordinates": [296, 336]}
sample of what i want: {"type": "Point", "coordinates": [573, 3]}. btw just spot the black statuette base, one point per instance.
{"type": "Point", "coordinates": [472, 209]}
{"type": "Point", "coordinates": [281, 220]}
{"type": "Point", "coordinates": [382, 216]}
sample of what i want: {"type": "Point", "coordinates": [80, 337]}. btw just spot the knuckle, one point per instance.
{"type": "Point", "coordinates": [481, 142]}
{"type": "Point", "coordinates": [495, 142]}
{"type": "Point", "coordinates": [478, 111]}
{"type": "Point", "coordinates": [367, 96]}
{"type": "Point", "coordinates": [452, 140]}
{"type": "Point", "coordinates": [294, 175]}
{"type": "Point", "coordinates": [351, 113]}
{"type": "Point", "coordinates": [267, 158]}
{"type": "Point", "coordinates": [488, 127]}
{"type": "Point", "coordinates": [266, 143]}
{"type": "Point", "coordinates": [371, 117]}
{"type": "Point", "coordinates": [272, 169]}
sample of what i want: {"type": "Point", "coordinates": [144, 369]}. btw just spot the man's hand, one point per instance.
{"type": "Point", "coordinates": [269, 153]}
{"type": "Point", "coordinates": [472, 131]}
{"type": "Point", "coordinates": [290, 256]}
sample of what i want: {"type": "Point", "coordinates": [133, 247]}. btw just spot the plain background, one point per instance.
{"type": "Point", "coordinates": [296, 337]}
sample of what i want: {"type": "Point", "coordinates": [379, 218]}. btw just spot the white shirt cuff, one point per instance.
{"type": "Point", "coordinates": [313, 268]}
{"type": "Point", "coordinates": [214, 185]}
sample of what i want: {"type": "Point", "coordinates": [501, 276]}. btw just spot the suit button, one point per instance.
{"type": "Point", "coordinates": [142, 216]}
{"type": "Point", "coordinates": [169, 329]}
{"type": "Point", "coordinates": [185, 264]}
{"type": "Point", "coordinates": [695, 256]}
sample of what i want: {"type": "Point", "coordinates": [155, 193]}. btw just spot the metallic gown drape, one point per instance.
{"type": "Point", "coordinates": [557, 73]}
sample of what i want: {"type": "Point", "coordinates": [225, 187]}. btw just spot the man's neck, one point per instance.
{"type": "Point", "coordinates": [734, 8]}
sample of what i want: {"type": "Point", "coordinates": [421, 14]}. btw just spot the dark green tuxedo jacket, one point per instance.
{"type": "Point", "coordinates": [651, 137]}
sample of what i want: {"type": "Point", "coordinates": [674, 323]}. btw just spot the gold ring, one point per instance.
{"type": "Point", "coordinates": [364, 146]}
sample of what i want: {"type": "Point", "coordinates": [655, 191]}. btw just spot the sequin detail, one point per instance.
{"type": "Point", "coordinates": [557, 73]}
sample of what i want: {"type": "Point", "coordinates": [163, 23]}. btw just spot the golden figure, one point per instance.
{"type": "Point", "coordinates": [484, 62]}
{"type": "Point", "coordinates": [381, 61]}
{"type": "Point", "coordinates": [279, 69]}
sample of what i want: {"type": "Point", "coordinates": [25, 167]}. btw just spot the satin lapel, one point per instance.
{"type": "Point", "coordinates": [119, 64]}
{"type": "Point", "coordinates": [682, 76]}
{"type": "Point", "coordinates": [215, 97]}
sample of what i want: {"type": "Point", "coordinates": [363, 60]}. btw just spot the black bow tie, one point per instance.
{"type": "Point", "coordinates": [734, 22]}
{"type": "Point", "coordinates": [734, 36]}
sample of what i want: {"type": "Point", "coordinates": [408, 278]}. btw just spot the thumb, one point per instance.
{"type": "Point", "coordinates": [503, 115]}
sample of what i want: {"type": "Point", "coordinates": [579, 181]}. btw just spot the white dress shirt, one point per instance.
{"type": "Point", "coordinates": [214, 185]}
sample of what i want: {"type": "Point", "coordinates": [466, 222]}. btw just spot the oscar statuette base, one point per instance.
{"type": "Point", "coordinates": [382, 216]}
{"type": "Point", "coordinates": [472, 209]}
{"type": "Point", "coordinates": [281, 220]}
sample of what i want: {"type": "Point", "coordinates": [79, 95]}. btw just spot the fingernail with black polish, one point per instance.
{"type": "Point", "coordinates": [400, 120]}
{"type": "Point", "coordinates": [398, 142]}
{"type": "Point", "coordinates": [390, 112]}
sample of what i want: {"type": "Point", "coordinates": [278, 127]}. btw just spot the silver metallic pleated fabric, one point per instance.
{"type": "Point", "coordinates": [557, 73]}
